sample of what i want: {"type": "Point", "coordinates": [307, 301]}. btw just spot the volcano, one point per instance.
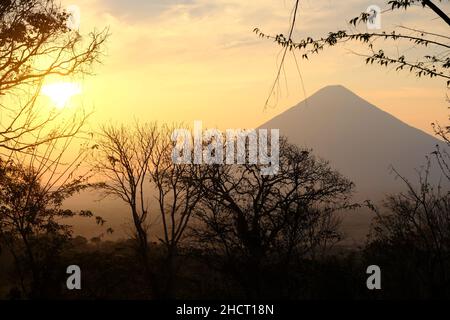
{"type": "Point", "coordinates": [361, 141]}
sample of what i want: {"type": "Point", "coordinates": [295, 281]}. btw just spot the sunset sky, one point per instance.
{"type": "Point", "coordinates": [186, 60]}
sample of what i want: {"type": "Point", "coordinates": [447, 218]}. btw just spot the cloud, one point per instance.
{"type": "Point", "coordinates": [140, 10]}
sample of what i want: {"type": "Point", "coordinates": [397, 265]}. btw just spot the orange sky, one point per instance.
{"type": "Point", "coordinates": [186, 60]}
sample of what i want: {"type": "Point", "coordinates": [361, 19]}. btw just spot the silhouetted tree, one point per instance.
{"type": "Point", "coordinates": [36, 43]}
{"type": "Point", "coordinates": [32, 190]}
{"type": "Point", "coordinates": [253, 220]}
{"type": "Point", "coordinates": [37, 174]}
{"type": "Point", "coordinates": [435, 62]}
{"type": "Point", "coordinates": [412, 237]}
{"type": "Point", "coordinates": [123, 159]}
{"type": "Point", "coordinates": [177, 196]}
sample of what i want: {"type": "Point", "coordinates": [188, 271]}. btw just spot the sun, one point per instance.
{"type": "Point", "coordinates": [61, 92]}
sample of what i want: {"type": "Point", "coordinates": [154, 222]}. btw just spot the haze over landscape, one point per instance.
{"type": "Point", "coordinates": [358, 139]}
{"type": "Point", "coordinates": [205, 52]}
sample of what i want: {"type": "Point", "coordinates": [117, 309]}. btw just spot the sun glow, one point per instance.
{"type": "Point", "coordinates": [61, 92]}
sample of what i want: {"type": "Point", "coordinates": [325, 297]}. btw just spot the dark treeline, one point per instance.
{"type": "Point", "coordinates": [227, 230]}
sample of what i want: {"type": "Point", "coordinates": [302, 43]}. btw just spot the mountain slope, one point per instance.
{"type": "Point", "coordinates": [360, 140]}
